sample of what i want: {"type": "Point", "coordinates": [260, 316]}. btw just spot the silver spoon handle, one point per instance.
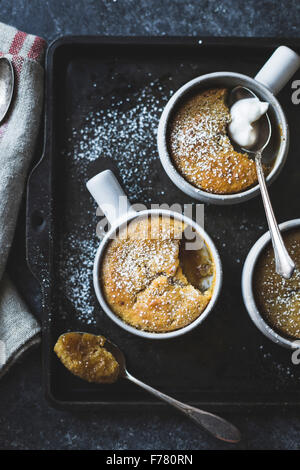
{"type": "Point", "coordinates": [283, 262]}
{"type": "Point", "coordinates": [218, 427]}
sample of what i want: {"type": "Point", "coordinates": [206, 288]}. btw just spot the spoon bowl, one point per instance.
{"type": "Point", "coordinates": [6, 86]}
{"type": "Point", "coordinates": [118, 355]}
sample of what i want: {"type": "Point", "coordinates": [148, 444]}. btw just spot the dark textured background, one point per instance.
{"type": "Point", "coordinates": [26, 420]}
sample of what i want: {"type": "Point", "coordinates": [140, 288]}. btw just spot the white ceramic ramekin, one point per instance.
{"type": "Point", "coordinates": [271, 78]}
{"type": "Point", "coordinates": [107, 192]}
{"type": "Point", "coordinates": [247, 288]}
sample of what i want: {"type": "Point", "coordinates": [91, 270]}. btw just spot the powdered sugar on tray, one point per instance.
{"type": "Point", "coordinates": [76, 269]}
{"type": "Point", "coordinates": [124, 131]}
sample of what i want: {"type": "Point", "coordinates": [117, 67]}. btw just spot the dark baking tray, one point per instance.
{"type": "Point", "coordinates": [113, 89]}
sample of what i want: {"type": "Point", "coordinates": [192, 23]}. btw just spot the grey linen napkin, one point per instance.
{"type": "Point", "coordinates": [19, 330]}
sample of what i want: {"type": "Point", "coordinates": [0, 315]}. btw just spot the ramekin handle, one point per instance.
{"type": "Point", "coordinates": [278, 70]}
{"type": "Point", "coordinates": [107, 192]}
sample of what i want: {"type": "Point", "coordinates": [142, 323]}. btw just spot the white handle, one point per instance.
{"type": "Point", "coordinates": [109, 195]}
{"type": "Point", "coordinates": [277, 71]}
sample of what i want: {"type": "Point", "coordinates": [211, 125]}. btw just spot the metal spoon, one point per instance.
{"type": "Point", "coordinates": [215, 425]}
{"type": "Point", "coordinates": [7, 83]}
{"type": "Point", "coordinates": [283, 262]}
{"type": "Point", "coordinates": [218, 427]}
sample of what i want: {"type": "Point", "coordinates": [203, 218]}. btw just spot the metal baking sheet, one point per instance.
{"type": "Point", "coordinates": [104, 97]}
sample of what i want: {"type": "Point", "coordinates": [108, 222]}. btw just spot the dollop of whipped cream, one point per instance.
{"type": "Point", "coordinates": [244, 113]}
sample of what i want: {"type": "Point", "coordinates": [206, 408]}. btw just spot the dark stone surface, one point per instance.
{"type": "Point", "coordinates": [26, 419]}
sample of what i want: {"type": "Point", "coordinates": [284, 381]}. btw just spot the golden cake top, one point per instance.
{"type": "Point", "coordinates": [201, 149]}
{"type": "Point", "coordinates": [142, 277]}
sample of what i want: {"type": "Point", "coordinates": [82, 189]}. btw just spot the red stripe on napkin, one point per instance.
{"type": "Point", "coordinates": [17, 42]}
{"type": "Point", "coordinates": [17, 63]}
{"type": "Point", "coordinates": [37, 48]}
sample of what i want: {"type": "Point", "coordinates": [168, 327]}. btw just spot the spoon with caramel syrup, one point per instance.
{"type": "Point", "coordinates": [284, 265]}
{"type": "Point", "coordinates": [96, 359]}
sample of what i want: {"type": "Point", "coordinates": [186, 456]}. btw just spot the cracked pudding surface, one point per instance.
{"type": "Point", "coordinates": [151, 280]}
{"type": "Point", "coordinates": [200, 147]}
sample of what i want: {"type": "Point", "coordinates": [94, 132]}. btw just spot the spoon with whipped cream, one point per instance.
{"type": "Point", "coordinates": [243, 128]}
{"type": "Point", "coordinates": [250, 128]}
{"type": "Point", "coordinates": [96, 359]}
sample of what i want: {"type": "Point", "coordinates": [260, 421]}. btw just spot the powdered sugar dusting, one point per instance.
{"type": "Point", "coordinates": [126, 133]}
{"type": "Point", "coordinates": [201, 148]}
{"type": "Point", "coordinates": [123, 131]}
{"type": "Point", "coordinates": [144, 282]}
{"type": "Point", "coordinates": [76, 268]}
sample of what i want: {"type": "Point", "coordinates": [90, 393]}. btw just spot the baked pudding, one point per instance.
{"type": "Point", "coordinates": [278, 299]}
{"type": "Point", "coordinates": [201, 149]}
{"type": "Point", "coordinates": [151, 276]}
